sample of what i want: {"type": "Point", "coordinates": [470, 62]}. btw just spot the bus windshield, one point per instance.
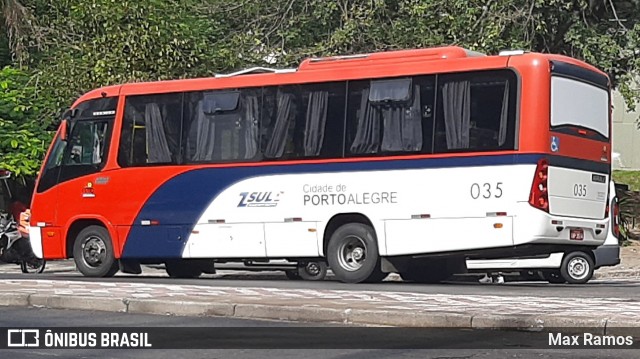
{"type": "Point", "coordinates": [85, 148]}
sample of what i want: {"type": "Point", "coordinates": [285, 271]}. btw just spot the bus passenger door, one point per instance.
{"type": "Point", "coordinates": [44, 212]}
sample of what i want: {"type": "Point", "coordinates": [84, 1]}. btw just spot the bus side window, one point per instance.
{"type": "Point", "coordinates": [476, 112]}
{"type": "Point", "coordinates": [222, 125]}
{"type": "Point", "coordinates": [390, 116]}
{"type": "Point", "coordinates": [303, 121]}
{"type": "Point", "coordinates": [151, 130]}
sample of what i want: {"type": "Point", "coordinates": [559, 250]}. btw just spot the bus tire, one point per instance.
{"type": "Point", "coordinates": [314, 270]}
{"type": "Point", "coordinates": [577, 267]}
{"type": "Point", "coordinates": [352, 253]}
{"type": "Point", "coordinates": [182, 269]}
{"type": "Point", "coordinates": [93, 253]}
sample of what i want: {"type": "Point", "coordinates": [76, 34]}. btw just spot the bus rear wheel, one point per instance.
{"type": "Point", "coordinates": [93, 253]}
{"type": "Point", "coordinates": [577, 267]}
{"type": "Point", "coordinates": [352, 253]}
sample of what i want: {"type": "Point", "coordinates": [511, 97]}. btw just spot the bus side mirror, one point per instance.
{"type": "Point", "coordinates": [64, 126]}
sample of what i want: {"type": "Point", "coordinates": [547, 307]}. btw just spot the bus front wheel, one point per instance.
{"type": "Point", "coordinates": [352, 253]}
{"type": "Point", "coordinates": [93, 253]}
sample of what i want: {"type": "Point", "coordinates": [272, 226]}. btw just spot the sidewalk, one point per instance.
{"type": "Point", "coordinates": [629, 266]}
{"type": "Point", "coordinates": [604, 315]}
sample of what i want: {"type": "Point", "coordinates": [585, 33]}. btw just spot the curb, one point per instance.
{"type": "Point", "coordinates": [178, 308]}
{"type": "Point", "coordinates": [310, 313]}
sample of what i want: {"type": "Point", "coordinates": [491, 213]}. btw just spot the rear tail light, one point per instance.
{"type": "Point", "coordinates": [615, 220]}
{"type": "Point", "coordinates": [539, 196]}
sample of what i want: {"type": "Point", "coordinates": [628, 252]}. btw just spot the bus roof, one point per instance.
{"type": "Point", "coordinates": [340, 68]}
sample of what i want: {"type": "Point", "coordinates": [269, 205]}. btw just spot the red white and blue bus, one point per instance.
{"type": "Point", "coordinates": [404, 161]}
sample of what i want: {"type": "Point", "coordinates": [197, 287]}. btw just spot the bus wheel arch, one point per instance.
{"type": "Point", "coordinates": [90, 244]}
{"type": "Point", "coordinates": [352, 249]}
{"type": "Point", "coordinates": [339, 220]}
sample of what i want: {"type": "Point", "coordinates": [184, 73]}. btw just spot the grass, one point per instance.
{"type": "Point", "coordinates": [631, 178]}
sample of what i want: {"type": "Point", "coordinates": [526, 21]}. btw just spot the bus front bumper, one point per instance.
{"type": "Point", "coordinates": [35, 238]}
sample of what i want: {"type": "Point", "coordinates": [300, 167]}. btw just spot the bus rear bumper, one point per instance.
{"type": "Point", "coordinates": [607, 255]}
{"type": "Point", "coordinates": [533, 226]}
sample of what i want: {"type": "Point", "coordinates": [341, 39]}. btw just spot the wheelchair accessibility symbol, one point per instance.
{"type": "Point", "coordinates": [555, 144]}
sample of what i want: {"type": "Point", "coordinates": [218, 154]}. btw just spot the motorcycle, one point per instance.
{"type": "Point", "coordinates": [15, 246]}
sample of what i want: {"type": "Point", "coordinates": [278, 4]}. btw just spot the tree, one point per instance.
{"type": "Point", "coordinates": [102, 42]}
{"type": "Point", "coordinates": [18, 25]}
{"type": "Point", "coordinates": [23, 136]}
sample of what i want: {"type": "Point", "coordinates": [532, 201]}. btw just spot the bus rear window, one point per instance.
{"type": "Point", "coordinates": [580, 105]}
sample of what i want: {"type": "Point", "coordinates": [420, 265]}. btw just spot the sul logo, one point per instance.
{"type": "Point", "coordinates": [259, 199]}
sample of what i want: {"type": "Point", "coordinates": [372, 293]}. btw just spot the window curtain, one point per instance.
{"type": "Point", "coordinates": [205, 135]}
{"type": "Point", "coordinates": [277, 142]}
{"type": "Point", "coordinates": [402, 126]}
{"type": "Point", "coordinates": [504, 115]}
{"type": "Point", "coordinates": [99, 136]}
{"type": "Point", "coordinates": [456, 98]}
{"type": "Point", "coordinates": [250, 119]}
{"type": "Point", "coordinates": [315, 122]}
{"type": "Point", "coordinates": [97, 151]}
{"type": "Point", "coordinates": [157, 147]}
{"type": "Point", "coordinates": [367, 139]}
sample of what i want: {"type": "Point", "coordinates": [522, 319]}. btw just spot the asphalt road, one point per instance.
{"type": "Point", "coordinates": [617, 288]}
{"type": "Point", "coordinates": [21, 317]}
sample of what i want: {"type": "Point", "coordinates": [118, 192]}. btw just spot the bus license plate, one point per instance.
{"type": "Point", "coordinates": [576, 234]}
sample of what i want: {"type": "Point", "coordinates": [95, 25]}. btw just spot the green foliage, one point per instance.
{"type": "Point", "coordinates": [629, 200]}
{"type": "Point", "coordinates": [94, 43]}
{"type": "Point", "coordinates": [103, 42]}
{"type": "Point", "coordinates": [77, 45]}
{"type": "Point", "coordinates": [631, 178]}
{"type": "Point", "coordinates": [23, 137]}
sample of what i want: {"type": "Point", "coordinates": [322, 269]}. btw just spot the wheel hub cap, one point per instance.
{"type": "Point", "coordinates": [94, 251]}
{"type": "Point", "coordinates": [352, 253]}
{"type": "Point", "coordinates": [578, 268]}
{"type": "Point", "coordinates": [313, 269]}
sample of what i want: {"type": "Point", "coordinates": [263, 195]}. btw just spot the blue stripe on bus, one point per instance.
{"type": "Point", "coordinates": [178, 203]}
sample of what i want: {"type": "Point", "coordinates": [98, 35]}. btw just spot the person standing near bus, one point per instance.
{"type": "Point", "coordinates": [16, 207]}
